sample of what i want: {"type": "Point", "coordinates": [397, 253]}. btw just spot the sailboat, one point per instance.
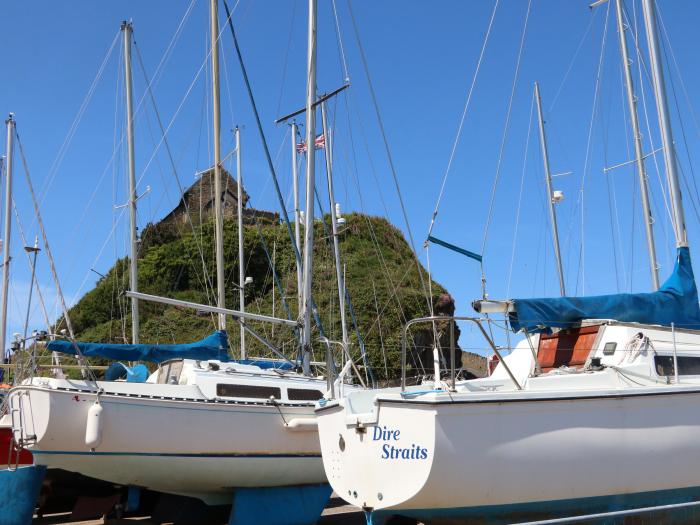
{"type": "Point", "coordinates": [202, 425]}
{"type": "Point", "coordinates": [593, 416]}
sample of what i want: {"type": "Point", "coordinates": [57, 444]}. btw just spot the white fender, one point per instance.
{"type": "Point", "coordinates": [302, 424]}
{"type": "Point", "coordinates": [93, 427]}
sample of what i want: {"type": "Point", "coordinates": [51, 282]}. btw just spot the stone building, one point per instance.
{"type": "Point", "coordinates": [199, 199]}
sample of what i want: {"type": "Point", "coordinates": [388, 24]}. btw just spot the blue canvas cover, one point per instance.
{"type": "Point", "coordinates": [213, 346]}
{"type": "Point", "coordinates": [676, 301]}
{"type": "Point", "coordinates": [266, 364]}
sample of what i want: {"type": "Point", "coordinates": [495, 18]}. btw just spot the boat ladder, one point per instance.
{"type": "Point", "coordinates": [20, 438]}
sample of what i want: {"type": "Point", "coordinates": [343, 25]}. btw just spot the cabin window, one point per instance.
{"type": "Point", "coordinates": [169, 372]}
{"type": "Point", "coordinates": [258, 392]}
{"type": "Point", "coordinates": [304, 394]}
{"type": "Point", "coordinates": [687, 366]}
{"type": "Point", "coordinates": [609, 348]}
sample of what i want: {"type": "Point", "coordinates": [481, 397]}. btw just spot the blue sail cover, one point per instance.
{"type": "Point", "coordinates": [212, 347]}
{"type": "Point", "coordinates": [675, 302]}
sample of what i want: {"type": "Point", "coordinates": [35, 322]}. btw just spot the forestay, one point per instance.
{"type": "Point", "coordinates": [675, 302]}
{"type": "Point", "coordinates": [212, 347]}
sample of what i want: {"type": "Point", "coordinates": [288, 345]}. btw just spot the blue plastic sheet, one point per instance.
{"type": "Point", "coordinates": [212, 347]}
{"type": "Point", "coordinates": [266, 364]}
{"type": "Point", "coordinates": [675, 302]}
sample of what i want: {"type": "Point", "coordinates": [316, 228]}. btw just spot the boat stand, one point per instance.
{"type": "Point", "coordinates": [20, 490]}
{"type": "Point", "coordinates": [291, 505]}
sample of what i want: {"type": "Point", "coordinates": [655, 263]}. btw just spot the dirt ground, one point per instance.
{"type": "Point", "coordinates": [336, 513]}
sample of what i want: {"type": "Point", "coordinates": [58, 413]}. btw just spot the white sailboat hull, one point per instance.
{"type": "Point", "coordinates": [167, 439]}
{"type": "Point", "coordinates": [516, 456]}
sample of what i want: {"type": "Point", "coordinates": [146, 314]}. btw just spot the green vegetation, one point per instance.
{"type": "Point", "coordinates": [177, 261]}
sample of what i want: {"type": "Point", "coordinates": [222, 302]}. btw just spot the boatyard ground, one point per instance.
{"type": "Point", "coordinates": [336, 513]}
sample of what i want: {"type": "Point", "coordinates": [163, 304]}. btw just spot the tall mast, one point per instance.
{"type": "Point", "coordinates": [219, 220]}
{"type": "Point", "coordinates": [550, 195]}
{"type": "Point", "coordinates": [133, 263]}
{"type": "Point", "coordinates": [664, 123]}
{"type": "Point", "coordinates": [334, 226]}
{"type": "Point", "coordinates": [297, 216]}
{"type": "Point", "coordinates": [310, 185]}
{"type": "Point", "coordinates": [241, 254]}
{"type": "Point", "coordinates": [638, 152]}
{"type": "Point", "coordinates": [10, 122]}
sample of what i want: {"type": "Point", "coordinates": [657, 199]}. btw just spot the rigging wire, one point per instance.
{"type": "Point", "coordinates": [167, 129]}
{"type": "Point", "coordinates": [392, 168]}
{"type": "Point", "coordinates": [641, 68]}
{"type": "Point", "coordinates": [635, 181]}
{"type": "Point", "coordinates": [628, 148]}
{"type": "Point", "coordinates": [373, 235]}
{"type": "Point", "coordinates": [394, 287]}
{"type": "Point", "coordinates": [506, 128]}
{"type": "Point", "coordinates": [666, 48]}
{"type": "Point", "coordinates": [111, 162]}
{"type": "Point", "coordinates": [581, 272]}
{"type": "Point", "coordinates": [381, 335]}
{"type": "Point", "coordinates": [40, 294]}
{"type": "Point", "coordinates": [53, 169]}
{"type": "Point", "coordinates": [612, 203]}
{"type": "Point", "coordinates": [86, 368]}
{"type": "Point", "coordinates": [340, 43]}
{"type": "Point", "coordinates": [573, 59]}
{"type": "Point", "coordinates": [209, 286]}
{"type": "Point", "coordinates": [186, 96]}
{"type": "Point", "coordinates": [458, 136]}
{"type": "Point", "coordinates": [520, 195]}
{"type": "Point", "coordinates": [286, 56]}
{"type": "Point", "coordinates": [266, 149]}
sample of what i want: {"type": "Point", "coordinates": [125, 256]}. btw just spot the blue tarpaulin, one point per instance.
{"type": "Point", "coordinates": [212, 347]}
{"type": "Point", "coordinates": [676, 301]}
{"type": "Point", "coordinates": [266, 364]}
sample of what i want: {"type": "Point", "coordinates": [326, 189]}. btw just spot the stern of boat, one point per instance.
{"type": "Point", "coordinates": [376, 454]}
{"type": "Point", "coordinates": [33, 409]}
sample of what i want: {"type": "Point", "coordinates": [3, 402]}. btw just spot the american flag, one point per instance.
{"type": "Point", "coordinates": [319, 143]}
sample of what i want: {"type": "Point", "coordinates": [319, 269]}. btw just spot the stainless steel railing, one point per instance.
{"type": "Point", "coordinates": [441, 318]}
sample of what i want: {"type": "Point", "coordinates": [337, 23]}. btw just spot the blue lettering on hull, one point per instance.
{"type": "Point", "coordinates": [391, 451]}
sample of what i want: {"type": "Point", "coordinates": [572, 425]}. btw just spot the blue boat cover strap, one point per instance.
{"type": "Point", "coordinates": [675, 302]}
{"type": "Point", "coordinates": [214, 346]}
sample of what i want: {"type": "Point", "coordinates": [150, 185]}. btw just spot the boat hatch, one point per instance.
{"type": "Point", "coordinates": [568, 347]}
{"type": "Point", "coordinates": [169, 372]}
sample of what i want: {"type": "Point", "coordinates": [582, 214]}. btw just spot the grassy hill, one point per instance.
{"type": "Point", "coordinates": [177, 260]}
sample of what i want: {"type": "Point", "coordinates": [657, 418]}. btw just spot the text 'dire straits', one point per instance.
{"type": "Point", "coordinates": [392, 449]}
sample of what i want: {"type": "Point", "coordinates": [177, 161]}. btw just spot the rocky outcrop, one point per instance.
{"type": "Point", "coordinates": [425, 338]}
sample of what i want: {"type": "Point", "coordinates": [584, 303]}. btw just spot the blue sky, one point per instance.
{"type": "Point", "coordinates": [421, 58]}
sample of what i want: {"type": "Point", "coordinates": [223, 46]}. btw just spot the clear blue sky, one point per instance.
{"type": "Point", "coordinates": [421, 57]}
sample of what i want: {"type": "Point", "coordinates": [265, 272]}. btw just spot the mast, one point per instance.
{"type": "Point", "coordinates": [550, 196]}
{"type": "Point", "coordinates": [665, 124]}
{"type": "Point", "coordinates": [219, 220]}
{"type": "Point", "coordinates": [638, 152]}
{"type": "Point", "coordinates": [310, 185]}
{"type": "Point", "coordinates": [297, 216]}
{"type": "Point", "coordinates": [241, 255]}
{"type": "Point", "coordinates": [334, 226]}
{"type": "Point", "coordinates": [10, 122]}
{"type": "Point", "coordinates": [133, 263]}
